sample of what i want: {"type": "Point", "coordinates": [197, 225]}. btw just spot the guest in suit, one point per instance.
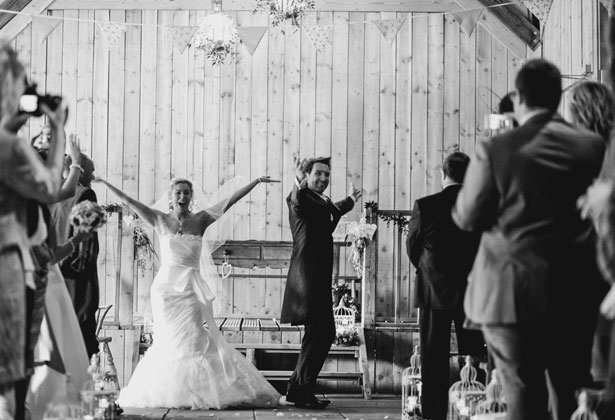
{"type": "Point", "coordinates": [535, 267]}
{"type": "Point", "coordinates": [307, 297]}
{"type": "Point", "coordinates": [443, 255]}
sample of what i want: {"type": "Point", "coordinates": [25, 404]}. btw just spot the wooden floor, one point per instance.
{"type": "Point", "coordinates": [341, 407]}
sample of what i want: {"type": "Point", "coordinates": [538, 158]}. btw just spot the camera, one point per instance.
{"type": "Point", "coordinates": [498, 122]}
{"type": "Point", "coordinates": [30, 101]}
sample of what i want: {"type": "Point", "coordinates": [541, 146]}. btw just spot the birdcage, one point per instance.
{"type": "Point", "coordinates": [344, 318]}
{"type": "Point", "coordinates": [411, 388]}
{"type": "Point", "coordinates": [495, 402]}
{"type": "Point", "coordinates": [466, 394]}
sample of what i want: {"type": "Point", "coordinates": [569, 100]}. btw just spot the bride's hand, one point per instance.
{"type": "Point", "coordinates": [266, 178]}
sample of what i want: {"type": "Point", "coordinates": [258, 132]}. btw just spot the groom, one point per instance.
{"type": "Point", "coordinates": [307, 298]}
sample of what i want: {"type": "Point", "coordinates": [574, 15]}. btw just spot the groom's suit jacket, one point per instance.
{"type": "Point", "coordinates": [313, 219]}
{"type": "Point", "coordinates": [536, 256]}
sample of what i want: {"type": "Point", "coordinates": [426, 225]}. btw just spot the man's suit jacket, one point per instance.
{"type": "Point", "coordinates": [312, 222]}
{"type": "Point", "coordinates": [441, 252]}
{"type": "Point", "coordinates": [536, 256]}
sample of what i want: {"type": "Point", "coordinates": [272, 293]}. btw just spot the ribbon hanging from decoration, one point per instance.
{"type": "Point", "coordinates": [467, 19]}
{"type": "Point", "coordinates": [389, 28]}
{"type": "Point", "coordinates": [540, 8]}
{"type": "Point", "coordinates": [182, 35]}
{"type": "Point", "coordinates": [112, 33]}
{"type": "Point", "coordinates": [42, 27]}
{"type": "Point", "coordinates": [318, 35]}
{"type": "Point", "coordinates": [251, 36]}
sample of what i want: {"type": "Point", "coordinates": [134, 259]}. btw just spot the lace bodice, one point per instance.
{"type": "Point", "coordinates": [180, 250]}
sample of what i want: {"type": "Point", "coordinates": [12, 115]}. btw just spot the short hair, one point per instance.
{"type": "Point", "coordinates": [539, 83]}
{"type": "Point", "coordinates": [310, 163]}
{"type": "Point", "coordinates": [11, 70]}
{"type": "Point", "coordinates": [592, 106]}
{"type": "Point", "coordinates": [506, 104]}
{"type": "Point", "coordinates": [455, 166]}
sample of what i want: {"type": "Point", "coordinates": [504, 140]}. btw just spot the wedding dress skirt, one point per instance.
{"type": "Point", "coordinates": [190, 365]}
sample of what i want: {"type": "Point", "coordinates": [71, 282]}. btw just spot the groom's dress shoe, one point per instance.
{"type": "Point", "coordinates": [309, 402]}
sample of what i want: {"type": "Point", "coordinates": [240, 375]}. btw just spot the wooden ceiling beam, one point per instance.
{"type": "Point", "coordinates": [15, 5]}
{"type": "Point", "coordinates": [19, 22]}
{"type": "Point", "coordinates": [516, 20]}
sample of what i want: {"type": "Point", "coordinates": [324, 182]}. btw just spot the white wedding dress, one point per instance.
{"type": "Point", "coordinates": [190, 365]}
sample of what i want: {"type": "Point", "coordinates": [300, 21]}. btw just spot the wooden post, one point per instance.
{"type": "Point", "coordinates": [118, 267]}
{"type": "Point", "coordinates": [370, 269]}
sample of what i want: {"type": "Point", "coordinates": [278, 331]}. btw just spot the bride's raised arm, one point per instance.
{"type": "Point", "coordinates": [148, 214]}
{"type": "Point", "coordinates": [241, 192]}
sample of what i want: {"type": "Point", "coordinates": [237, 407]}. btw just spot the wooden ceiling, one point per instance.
{"type": "Point", "coordinates": [514, 16]}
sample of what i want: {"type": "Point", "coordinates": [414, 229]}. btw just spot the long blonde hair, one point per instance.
{"type": "Point", "coordinates": [592, 106]}
{"type": "Point", "coordinates": [11, 70]}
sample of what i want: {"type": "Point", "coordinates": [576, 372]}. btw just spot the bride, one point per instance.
{"type": "Point", "coordinates": [189, 364]}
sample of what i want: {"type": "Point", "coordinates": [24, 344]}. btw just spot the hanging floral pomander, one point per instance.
{"type": "Point", "coordinates": [284, 10]}
{"type": "Point", "coordinates": [217, 36]}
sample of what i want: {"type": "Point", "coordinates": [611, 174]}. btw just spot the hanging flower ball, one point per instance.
{"type": "Point", "coordinates": [217, 36]}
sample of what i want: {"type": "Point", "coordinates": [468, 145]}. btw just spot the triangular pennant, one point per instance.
{"type": "Point", "coordinates": [182, 35]}
{"type": "Point", "coordinates": [251, 36]}
{"type": "Point", "coordinates": [540, 8]}
{"type": "Point", "coordinates": [112, 32]}
{"type": "Point", "coordinates": [42, 27]}
{"type": "Point", "coordinates": [318, 35]}
{"type": "Point", "coordinates": [467, 19]}
{"type": "Point", "coordinates": [390, 27]}
{"type": "Point", "coordinates": [608, 5]}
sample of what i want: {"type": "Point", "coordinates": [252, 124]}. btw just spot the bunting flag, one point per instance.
{"type": "Point", "coordinates": [318, 35]}
{"type": "Point", "coordinates": [467, 19]}
{"type": "Point", "coordinates": [42, 27]}
{"type": "Point", "coordinates": [182, 35]}
{"type": "Point", "coordinates": [251, 36]}
{"type": "Point", "coordinates": [608, 5]}
{"type": "Point", "coordinates": [540, 8]}
{"type": "Point", "coordinates": [389, 28]}
{"type": "Point", "coordinates": [112, 32]}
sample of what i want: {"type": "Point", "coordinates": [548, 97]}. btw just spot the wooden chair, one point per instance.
{"type": "Point", "coordinates": [103, 343]}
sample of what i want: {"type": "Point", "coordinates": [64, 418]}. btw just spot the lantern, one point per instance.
{"type": "Point", "coordinates": [465, 395]}
{"type": "Point", "coordinates": [411, 388]}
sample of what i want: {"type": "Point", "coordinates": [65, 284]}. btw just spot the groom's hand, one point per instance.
{"type": "Point", "coordinates": [355, 193]}
{"type": "Point", "coordinates": [299, 168]}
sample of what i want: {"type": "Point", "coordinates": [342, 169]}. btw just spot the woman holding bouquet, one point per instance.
{"type": "Point", "coordinates": [80, 267]}
{"type": "Point", "coordinates": [190, 365]}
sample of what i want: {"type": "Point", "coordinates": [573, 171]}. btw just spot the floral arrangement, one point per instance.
{"type": "Point", "coordinates": [144, 248]}
{"type": "Point", "coordinates": [346, 338]}
{"type": "Point", "coordinates": [87, 216]}
{"type": "Point", "coordinates": [362, 232]}
{"type": "Point", "coordinates": [284, 10]}
{"type": "Point", "coordinates": [217, 36]}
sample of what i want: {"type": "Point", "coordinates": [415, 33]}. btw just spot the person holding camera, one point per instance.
{"type": "Point", "coordinates": [23, 177]}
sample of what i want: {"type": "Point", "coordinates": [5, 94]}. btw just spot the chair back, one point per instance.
{"type": "Point", "coordinates": [101, 314]}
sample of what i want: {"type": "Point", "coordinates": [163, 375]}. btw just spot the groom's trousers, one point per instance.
{"type": "Point", "coordinates": [317, 339]}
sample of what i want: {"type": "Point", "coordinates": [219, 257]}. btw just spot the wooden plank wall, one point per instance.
{"type": "Point", "coordinates": [388, 112]}
{"type": "Point", "coordinates": [571, 40]}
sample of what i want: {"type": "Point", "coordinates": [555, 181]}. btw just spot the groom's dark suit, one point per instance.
{"type": "Point", "coordinates": [307, 298]}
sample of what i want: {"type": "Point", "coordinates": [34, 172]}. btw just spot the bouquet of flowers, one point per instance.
{"type": "Point", "coordinates": [284, 10]}
{"type": "Point", "coordinates": [217, 36]}
{"type": "Point", "coordinates": [362, 232]}
{"type": "Point", "coordinates": [85, 217]}
{"type": "Point", "coordinates": [348, 337]}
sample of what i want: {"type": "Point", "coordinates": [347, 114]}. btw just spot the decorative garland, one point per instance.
{"type": "Point", "coordinates": [398, 220]}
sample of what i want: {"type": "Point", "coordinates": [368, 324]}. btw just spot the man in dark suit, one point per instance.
{"type": "Point", "coordinates": [307, 298]}
{"type": "Point", "coordinates": [443, 255]}
{"type": "Point", "coordinates": [533, 281]}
